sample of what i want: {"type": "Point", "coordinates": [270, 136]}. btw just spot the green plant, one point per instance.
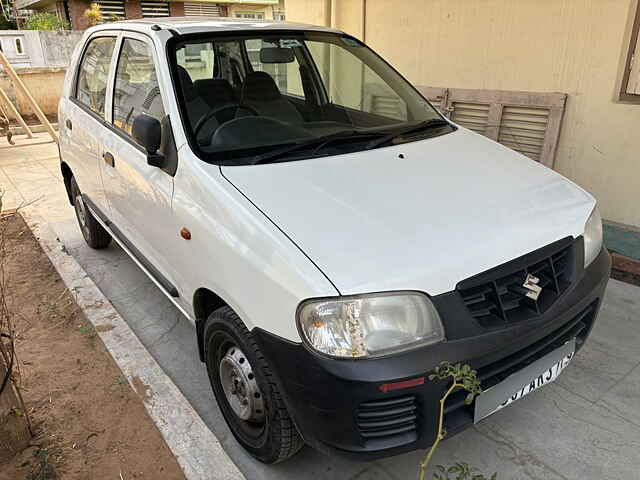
{"type": "Point", "coordinates": [94, 14]}
{"type": "Point", "coordinates": [465, 378]}
{"type": "Point", "coordinates": [6, 24]}
{"type": "Point", "coordinates": [45, 21]}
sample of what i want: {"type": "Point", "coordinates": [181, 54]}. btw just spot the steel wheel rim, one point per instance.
{"type": "Point", "coordinates": [240, 386]}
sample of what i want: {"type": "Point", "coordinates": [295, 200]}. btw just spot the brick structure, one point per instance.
{"type": "Point", "coordinates": [176, 9]}
{"type": "Point", "coordinates": [132, 9]}
{"type": "Point", "coordinates": [76, 14]}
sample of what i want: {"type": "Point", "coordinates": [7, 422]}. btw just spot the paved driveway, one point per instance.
{"type": "Point", "coordinates": [584, 426]}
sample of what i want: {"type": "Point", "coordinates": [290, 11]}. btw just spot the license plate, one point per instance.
{"type": "Point", "coordinates": [541, 372]}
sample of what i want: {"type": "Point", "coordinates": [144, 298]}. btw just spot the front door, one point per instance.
{"type": "Point", "coordinates": [139, 195]}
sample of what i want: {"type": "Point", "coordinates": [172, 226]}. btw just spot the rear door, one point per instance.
{"type": "Point", "coordinates": [139, 194]}
{"type": "Point", "coordinates": [84, 122]}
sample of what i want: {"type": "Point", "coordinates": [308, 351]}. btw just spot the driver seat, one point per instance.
{"type": "Point", "coordinates": [196, 107]}
{"type": "Point", "coordinates": [261, 93]}
{"type": "Point", "coordinates": [217, 93]}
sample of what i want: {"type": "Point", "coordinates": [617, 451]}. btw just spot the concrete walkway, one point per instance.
{"type": "Point", "coordinates": [584, 426]}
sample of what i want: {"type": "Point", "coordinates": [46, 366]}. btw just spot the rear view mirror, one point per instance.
{"type": "Point", "coordinates": [147, 132]}
{"type": "Point", "coordinates": [276, 55]}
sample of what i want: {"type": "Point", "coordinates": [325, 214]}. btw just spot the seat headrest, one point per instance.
{"type": "Point", "coordinates": [261, 87]}
{"type": "Point", "coordinates": [215, 91]}
{"type": "Point", "coordinates": [188, 90]}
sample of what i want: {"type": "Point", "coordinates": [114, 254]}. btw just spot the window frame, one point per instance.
{"type": "Point", "coordinates": [73, 96]}
{"type": "Point", "coordinates": [243, 14]}
{"type": "Point", "coordinates": [19, 44]}
{"type": "Point", "coordinates": [631, 52]}
{"type": "Point", "coordinates": [115, 61]}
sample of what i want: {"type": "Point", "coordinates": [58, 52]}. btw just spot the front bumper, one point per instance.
{"type": "Point", "coordinates": [338, 405]}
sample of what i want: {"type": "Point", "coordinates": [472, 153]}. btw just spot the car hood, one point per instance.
{"type": "Point", "coordinates": [419, 216]}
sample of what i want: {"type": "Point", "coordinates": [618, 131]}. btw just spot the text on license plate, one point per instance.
{"type": "Point", "coordinates": [542, 372]}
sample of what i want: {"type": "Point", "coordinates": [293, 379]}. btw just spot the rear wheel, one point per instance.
{"type": "Point", "coordinates": [244, 387]}
{"type": "Point", "coordinates": [94, 234]}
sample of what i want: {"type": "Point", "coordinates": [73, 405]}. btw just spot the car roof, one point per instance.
{"type": "Point", "coordinates": [184, 25]}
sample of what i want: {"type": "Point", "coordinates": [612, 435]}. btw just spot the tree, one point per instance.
{"type": "Point", "coordinates": [45, 21]}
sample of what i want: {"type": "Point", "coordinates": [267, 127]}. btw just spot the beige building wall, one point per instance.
{"type": "Point", "coordinates": [44, 84]}
{"type": "Point", "coordinates": [571, 46]}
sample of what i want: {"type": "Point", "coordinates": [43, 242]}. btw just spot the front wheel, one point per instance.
{"type": "Point", "coordinates": [243, 385]}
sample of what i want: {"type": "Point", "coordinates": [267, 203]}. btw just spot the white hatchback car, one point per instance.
{"type": "Point", "coordinates": [331, 235]}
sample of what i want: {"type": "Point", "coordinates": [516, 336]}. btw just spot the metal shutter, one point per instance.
{"type": "Point", "coordinates": [154, 9]}
{"type": "Point", "coordinates": [199, 9]}
{"type": "Point", "coordinates": [111, 8]}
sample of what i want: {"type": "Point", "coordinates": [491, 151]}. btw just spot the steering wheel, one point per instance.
{"type": "Point", "coordinates": [205, 118]}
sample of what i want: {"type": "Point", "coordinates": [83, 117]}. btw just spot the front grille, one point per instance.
{"type": "Point", "coordinates": [383, 419]}
{"type": "Point", "coordinates": [501, 297]}
{"type": "Point", "coordinates": [458, 414]}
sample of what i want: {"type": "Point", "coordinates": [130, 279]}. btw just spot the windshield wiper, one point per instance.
{"type": "Point", "coordinates": [431, 123]}
{"type": "Point", "coordinates": [319, 141]}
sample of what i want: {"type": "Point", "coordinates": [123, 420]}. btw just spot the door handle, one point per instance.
{"type": "Point", "coordinates": [108, 159]}
{"type": "Point", "coordinates": [68, 124]}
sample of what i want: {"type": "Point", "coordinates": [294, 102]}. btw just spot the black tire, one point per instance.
{"type": "Point", "coordinates": [275, 438]}
{"type": "Point", "coordinates": [93, 233]}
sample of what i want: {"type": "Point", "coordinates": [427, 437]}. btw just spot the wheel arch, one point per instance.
{"type": "Point", "coordinates": [205, 302]}
{"type": "Point", "coordinates": [67, 174]}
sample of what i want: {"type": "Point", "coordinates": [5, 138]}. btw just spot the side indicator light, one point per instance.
{"type": "Point", "coordinates": [186, 234]}
{"type": "Point", "coordinates": [388, 387]}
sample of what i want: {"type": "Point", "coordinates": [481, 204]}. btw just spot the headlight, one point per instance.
{"type": "Point", "coordinates": [592, 237]}
{"type": "Point", "coordinates": [369, 325]}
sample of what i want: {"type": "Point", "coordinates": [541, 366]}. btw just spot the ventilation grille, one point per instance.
{"type": "Point", "coordinates": [382, 419]}
{"type": "Point", "coordinates": [111, 9]}
{"type": "Point", "coordinates": [201, 9]}
{"type": "Point", "coordinates": [523, 129]}
{"type": "Point", "coordinates": [473, 116]}
{"type": "Point", "coordinates": [154, 9]}
{"type": "Point", "coordinates": [504, 299]}
{"type": "Point", "coordinates": [390, 107]}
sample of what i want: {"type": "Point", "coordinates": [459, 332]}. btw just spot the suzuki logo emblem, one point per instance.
{"type": "Point", "coordinates": [531, 284]}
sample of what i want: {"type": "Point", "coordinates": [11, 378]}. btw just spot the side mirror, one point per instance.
{"type": "Point", "coordinates": [147, 132]}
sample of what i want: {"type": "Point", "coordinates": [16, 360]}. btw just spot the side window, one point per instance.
{"type": "Point", "coordinates": [94, 72]}
{"type": "Point", "coordinates": [136, 87]}
{"type": "Point", "coordinates": [198, 59]}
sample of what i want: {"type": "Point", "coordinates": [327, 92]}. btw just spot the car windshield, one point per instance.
{"type": "Point", "coordinates": [267, 97]}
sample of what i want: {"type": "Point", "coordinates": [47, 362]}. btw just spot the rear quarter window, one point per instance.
{"type": "Point", "coordinates": [93, 74]}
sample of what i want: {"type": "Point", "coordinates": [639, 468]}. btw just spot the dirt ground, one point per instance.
{"type": "Point", "coordinates": [89, 423]}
